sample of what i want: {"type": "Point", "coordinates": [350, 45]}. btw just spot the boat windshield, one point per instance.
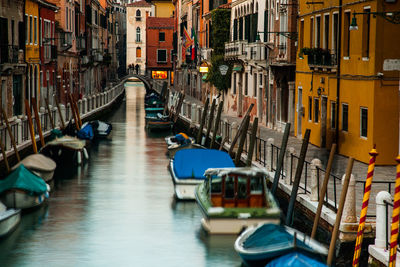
{"type": "Point", "coordinates": [256, 185]}
{"type": "Point", "coordinates": [216, 185]}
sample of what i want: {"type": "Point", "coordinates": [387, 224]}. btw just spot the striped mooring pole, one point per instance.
{"type": "Point", "coordinates": [394, 233]}
{"type": "Point", "coordinates": [367, 190]}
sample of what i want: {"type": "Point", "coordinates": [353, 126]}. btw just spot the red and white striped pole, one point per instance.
{"type": "Point", "coordinates": [361, 226]}
{"type": "Point", "coordinates": [394, 233]}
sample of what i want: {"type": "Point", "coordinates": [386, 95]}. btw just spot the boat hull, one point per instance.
{"type": "Point", "coordinates": [184, 188]}
{"type": "Point", "coordinates": [9, 220]}
{"type": "Point", "coordinates": [19, 199]}
{"type": "Point", "coordinates": [159, 125]}
{"type": "Point", "coordinates": [232, 225]}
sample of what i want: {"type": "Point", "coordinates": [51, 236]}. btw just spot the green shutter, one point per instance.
{"type": "Point", "coordinates": [247, 27]}
{"type": "Point", "coordinates": [235, 25]}
{"type": "Point", "coordinates": [265, 25]}
{"type": "Point", "coordinates": [241, 29]}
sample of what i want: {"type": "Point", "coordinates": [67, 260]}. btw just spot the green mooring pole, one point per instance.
{"type": "Point", "coordinates": [280, 158]}
{"type": "Point", "coordinates": [299, 170]}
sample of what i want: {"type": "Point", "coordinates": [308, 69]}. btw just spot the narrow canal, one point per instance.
{"type": "Point", "coordinates": [118, 209]}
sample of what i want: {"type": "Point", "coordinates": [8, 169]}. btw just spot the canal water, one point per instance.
{"type": "Point", "coordinates": [118, 209]}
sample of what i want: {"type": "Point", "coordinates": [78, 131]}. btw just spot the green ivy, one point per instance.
{"type": "Point", "coordinates": [219, 34]}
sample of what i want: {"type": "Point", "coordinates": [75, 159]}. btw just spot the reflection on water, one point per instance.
{"type": "Point", "coordinates": [118, 209]}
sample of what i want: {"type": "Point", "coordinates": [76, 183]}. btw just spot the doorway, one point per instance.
{"type": "Point", "coordinates": [299, 110]}
{"type": "Point", "coordinates": [324, 101]}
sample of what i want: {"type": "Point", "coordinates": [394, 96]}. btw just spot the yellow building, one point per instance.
{"type": "Point", "coordinates": [347, 80]}
{"type": "Point", "coordinates": [32, 55]}
{"type": "Point", "coordinates": [164, 9]}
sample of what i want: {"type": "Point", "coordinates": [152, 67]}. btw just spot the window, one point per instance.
{"type": "Point", "coordinates": [35, 29]}
{"type": "Point", "coordinates": [30, 29]}
{"type": "Point", "coordinates": [138, 52]}
{"type": "Point", "coordinates": [161, 36]}
{"type": "Point", "coordinates": [137, 34]}
{"type": "Point", "coordinates": [366, 28]}
{"type": "Point", "coordinates": [40, 31]}
{"type": "Point", "coordinates": [326, 31]}
{"type": "Point", "coordinates": [216, 185]}
{"type": "Point", "coordinates": [255, 84]}
{"type": "Point", "coordinates": [26, 29]}
{"type": "Point", "coordinates": [256, 186]}
{"type": "Point", "coordinates": [335, 26]}
{"type": "Point", "coordinates": [364, 122]}
{"type": "Point", "coordinates": [234, 83]}
{"type": "Point", "coordinates": [260, 78]}
{"type": "Point", "coordinates": [301, 41]}
{"type": "Point", "coordinates": [229, 187]}
{"type": "Point", "coordinates": [333, 115]}
{"type": "Point", "coordinates": [242, 188]}
{"type": "Point", "coordinates": [138, 13]}
{"type": "Point", "coordinates": [316, 109]}
{"type": "Point", "coordinates": [246, 77]}
{"type": "Point", "coordinates": [346, 35]}
{"type": "Point", "coordinates": [312, 32]}
{"type": "Point", "coordinates": [310, 108]}
{"type": "Point", "coordinates": [345, 117]}
{"type": "Point", "coordinates": [162, 55]}
{"type": "Point", "coordinates": [66, 17]}
{"type": "Point", "coordinates": [318, 33]}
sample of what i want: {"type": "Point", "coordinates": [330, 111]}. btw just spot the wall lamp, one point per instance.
{"type": "Point", "coordinates": [392, 17]}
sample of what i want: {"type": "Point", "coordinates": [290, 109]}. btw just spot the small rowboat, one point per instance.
{"type": "Point", "coordinates": [9, 220]}
{"type": "Point", "coordinates": [40, 165]}
{"type": "Point", "coordinates": [65, 150]}
{"type": "Point", "coordinates": [158, 122]}
{"type": "Point", "coordinates": [261, 244]}
{"type": "Point", "coordinates": [22, 189]}
{"type": "Point", "coordinates": [295, 259]}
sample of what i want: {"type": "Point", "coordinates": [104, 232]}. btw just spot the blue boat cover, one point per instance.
{"type": "Point", "coordinates": [269, 237]}
{"type": "Point", "coordinates": [86, 132]}
{"type": "Point", "coordinates": [22, 178]}
{"type": "Point", "coordinates": [295, 259]}
{"type": "Point", "coordinates": [192, 163]}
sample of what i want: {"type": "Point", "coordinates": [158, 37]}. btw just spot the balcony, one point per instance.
{"type": "Point", "coordinates": [236, 50]}
{"type": "Point", "coordinates": [320, 59]}
{"type": "Point", "coordinates": [138, 18]}
{"type": "Point", "coordinates": [8, 54]}
{"type": "Point", "coordinates": [256, 51]}
{"type": "Point", "coordinates": [98, 57]}
{"type": "Point", "coordinates": [65, 40]}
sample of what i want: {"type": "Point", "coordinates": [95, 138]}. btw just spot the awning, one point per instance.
{"type": "Point", "coordinates": [237, 68]}
{"type": "Point", "coordinates": [204, 77]}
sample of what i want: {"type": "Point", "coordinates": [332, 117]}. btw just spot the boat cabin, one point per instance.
{"type": "Point", "coordinates": [236, 187]}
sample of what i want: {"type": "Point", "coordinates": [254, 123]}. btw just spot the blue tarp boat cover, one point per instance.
{"type": "Point", "coordinates": [269, 237]}
{"type": "Point", "coordinates": [22, 178]}
{"type": "Point", "coordinates": [295, 259]}
{"type": "Point", "coordinates": [192, 163]}
{"type": "Point", "coordinates": [86, 132]}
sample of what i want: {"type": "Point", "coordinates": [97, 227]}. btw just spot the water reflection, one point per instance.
{"type": "Point", "coordinates": [118, 209]}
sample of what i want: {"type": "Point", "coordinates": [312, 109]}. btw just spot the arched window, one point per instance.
{"type": "Point", "coordinates": [138, 52]}
{"type": "Point", "coordinates": [137, 34]}
{"type": "Point", "coordinates": [138, 13]}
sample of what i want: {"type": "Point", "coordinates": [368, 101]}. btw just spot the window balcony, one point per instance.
{"type": "Point", "coordinates": [318, 58]}
{"type": "Point", "coordinates": [8, 54]}
{"type": "Point", "coordinates": [256, 51]}
{"type": "Point", "coordinates": [81, 42]}
{"type": "Point", "coordinates": [236, 50]}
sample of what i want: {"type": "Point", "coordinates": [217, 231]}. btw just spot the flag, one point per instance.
{"type": "Point", "coordinates": [188, 41]}
{"type": "Point", "coordinates": [194, 45]}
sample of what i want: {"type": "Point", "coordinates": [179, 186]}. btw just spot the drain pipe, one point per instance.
{"type": "Point", "coordinates": [338, 58]}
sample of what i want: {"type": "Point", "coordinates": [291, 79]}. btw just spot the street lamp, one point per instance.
{"type": "Point", "coordinates": [392, 17]}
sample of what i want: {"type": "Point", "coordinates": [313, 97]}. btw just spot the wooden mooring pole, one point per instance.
{"type": "Point", "coordinates": [210, 120]}
{"type": "Point", "coordinates": [332, 246]}
{"type": "Point", "coordinates": [203, 121]}
{"type": "Point", "coordinates": [242, 139]}
{"type": "Point", "coordinates": [50, 115]}
{"type": "Point", "coordinates": [216, 125]}
{"type": "Point", "coordinates": [3, 151]}
{"type": "Point", "coordinates": [280, 158]}
{"type": "Point", "coordinates": [322, 193]}
{"type": "Point", "coordinates": [252, 142]}
{"type": "Point", "coordinates": [4, 114]}
{"type": "Point", "coordinates": [37, 120]}
{"type": "Point", "coordinates": [73, 112]}
{"type": "Point", "coordinates": [299, 170]}
{"type": "Point", "coordinates": [178, 107]}
{"type": "Point", "coordinates": [235, 139]}
{"type": "Point", "coordinates": [31, 129]}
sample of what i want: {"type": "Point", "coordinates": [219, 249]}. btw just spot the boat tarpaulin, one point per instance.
{"type": "Point", "coordinates": [86, 132]}
{"type": "Point", "coordinates": [22, 178]}
{"type": "Point", "coordinates": [295, 259]}
{"type": "Point", "coordinates": [192, 163]}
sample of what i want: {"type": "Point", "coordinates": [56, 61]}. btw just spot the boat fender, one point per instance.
{"type": "Point", "coordinates": [85, 153]}
{"type": "Point", "coordinates": [79, 157]}
{"type": "Point", "coordinates": [59, 152]}
{"type": "Point", "coordinates": [48, 188]}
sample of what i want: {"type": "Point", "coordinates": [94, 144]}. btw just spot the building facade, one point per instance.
{"type": "Point", "coordinates": [159, 47]}
{"type": "Point", "coordinates": [137, 14]}
{"type": "Point", "coordinates": [346, 85]}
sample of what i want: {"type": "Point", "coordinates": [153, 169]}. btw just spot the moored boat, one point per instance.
{"type": "Point", "coordinates": [188, 166]}
{"type": "Point", "coordinates": [158, 122]}
{"type": "Point", "coordinates": [178, 142]}
{"type": "Point", "coordinates": [232, 199]}
{"type": "Point", "coordinates": [261, 244]}
{"type": "Point", "coordinates": [9, 220]}
{"type": "Point", "coordinates": [65, 150]}
{"type": "Point", "coordinates": [40, 165]}
{"type": "Point", "coordinates": [295, 259]}
{"type": "Point", "coordinates": [22, 189]}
